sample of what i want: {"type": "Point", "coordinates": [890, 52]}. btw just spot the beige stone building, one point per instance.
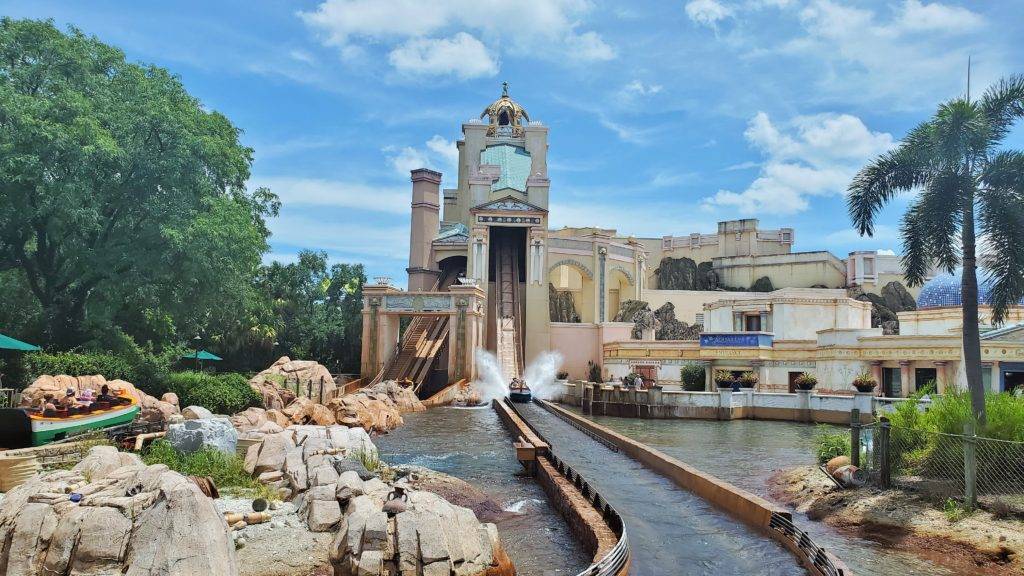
{"type": "Point", "coordinates": [485, 271]}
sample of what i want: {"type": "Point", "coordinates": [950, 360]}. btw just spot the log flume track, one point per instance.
{"type": "Point", "coordinates": [671, 531]}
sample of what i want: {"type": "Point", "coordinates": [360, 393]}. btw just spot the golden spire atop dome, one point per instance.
{"type": "Point", "coordinates": [505, 115]}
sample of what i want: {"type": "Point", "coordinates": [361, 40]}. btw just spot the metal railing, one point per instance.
{"type": "Point", "coordinates": [616, 560]}
{"type": "Point", "coordinates": [822, 560]}
{"type": "Point", "coordinates": [8, 398]}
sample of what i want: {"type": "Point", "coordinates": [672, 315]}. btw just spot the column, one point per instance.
{"type": "Point", "coordinates": [941, 376]}
{"type": "Point", "coordinates": [602, 305]}
{"type": "Point", "coordinates": [709, 375]}
{"type": "Point", "coordinates": [461, 329]}
{"type": "Point", "coordinates": [906, 378]}
{"type": "Point", "coordinates": [997, 373]}
{"type": "Point", "coordinates": [536, 259]}
{"type": "Point", "coordinates": [876, 373]}
{"type": "Point", "coordinates": [761, 370]}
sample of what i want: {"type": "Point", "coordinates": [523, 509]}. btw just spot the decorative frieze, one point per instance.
{"type": "Point", "coordinates": [417, 303]}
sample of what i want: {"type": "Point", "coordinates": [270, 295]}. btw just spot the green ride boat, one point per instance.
{"type": "Point", "coordinates": [22, 428]}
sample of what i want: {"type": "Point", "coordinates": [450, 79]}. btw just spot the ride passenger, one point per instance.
{"type": "Point", "coordinates": [105, 395]}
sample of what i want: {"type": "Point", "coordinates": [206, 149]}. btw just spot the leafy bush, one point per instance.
{"type": "Point", "coordinates": [831, 444]}
{"type": "Point", "coordinates": [221, 393]}
{"type": "Point", "coordinates": [140, 367]}
{"type": "Point", "coordinates": [951, 411]}
{"type": "Point", "coordinates": [692, 376]}
{"type": "Point", "coordinates": [594, 372]}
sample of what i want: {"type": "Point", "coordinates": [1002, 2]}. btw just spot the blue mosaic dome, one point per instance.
{"type": "Point", "coordinates": [944, 290]}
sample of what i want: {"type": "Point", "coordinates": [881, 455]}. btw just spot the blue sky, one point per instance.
{"type": "Point", "coordinates": [665, 117]}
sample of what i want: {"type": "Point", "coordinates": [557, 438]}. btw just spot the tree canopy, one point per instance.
{"type": "Point", "coordinates": [125, 221]}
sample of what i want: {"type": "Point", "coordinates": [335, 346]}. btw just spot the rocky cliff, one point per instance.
{"type": "Point", "coordinates": [894, 298]}
{"type": "Point", "coordinates": [131, 519]}
{"type": "Point", "coordinates": [561, 306]}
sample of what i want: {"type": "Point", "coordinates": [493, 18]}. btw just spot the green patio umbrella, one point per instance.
{"type": "Point", "coordinates": [8, 343]}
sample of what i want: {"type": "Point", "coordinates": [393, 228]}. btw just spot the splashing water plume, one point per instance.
{"type": "Point", "coordinates": [539, 376]}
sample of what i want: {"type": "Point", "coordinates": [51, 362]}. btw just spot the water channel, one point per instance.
{"type": "Point", "coordinates": [746, 453]}
{"type": "Point", "coordinates": [472, 444]}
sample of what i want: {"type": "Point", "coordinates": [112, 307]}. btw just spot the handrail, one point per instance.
{"type": "Point", "coordinates": [615, 562]}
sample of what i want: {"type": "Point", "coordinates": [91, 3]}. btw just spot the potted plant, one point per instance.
{"type": "Point", "coordinates": [865, 382]}
{"type": "Point", "coordinates": [724, 379]}
{"type": "Point", "coordinates": [562, 375]}
{"type": "Point", "coordinates": [748, 380]}
{"type": "Point", "coordinates": [806, 381]}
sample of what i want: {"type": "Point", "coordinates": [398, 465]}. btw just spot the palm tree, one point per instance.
{"type": "Point", "coordinates": [963, 178]}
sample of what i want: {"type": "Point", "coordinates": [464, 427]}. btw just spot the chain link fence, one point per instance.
{"type": "Point", "coordinates": [960, 466]}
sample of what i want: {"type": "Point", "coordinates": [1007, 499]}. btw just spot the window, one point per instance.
{"type": "Point", "coordinates": [699, 319]}
{"type": "Point", "coordinates": [752, 323]}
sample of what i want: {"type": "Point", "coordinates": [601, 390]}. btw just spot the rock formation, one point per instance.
{"type": "Point", "coordinates": [894, 298]}
{"type": "Point", "coordinates": [685, 274]}
{"type": "Point", "coordinates": [286, 379]}
{"type": "Point", "coordinates": [376, 408]}
{"type": "Point", "coordinates": [671, 328]}
{"type": "Point", "coordinates": [762, 284]}
{"type": "Point", "coordinates": [377, 532]}
{"type": "Point", "coordinates": [628, 309]}
{"type": "Point", "coordinates": [195, 434]}
{"type": "Point", "coordinates": [645, 324]}
{"type": "Point", "coordinates": [152, 410]}
{"type": "Point", "coordinates": [132, 519]}
{"type": "Point", "coordinates": [561, 306]}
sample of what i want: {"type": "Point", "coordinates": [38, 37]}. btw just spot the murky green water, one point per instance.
{"type": "Point", "coordinates": [746, 453]}
{"type": "Point", "coordinates": [472, 444]}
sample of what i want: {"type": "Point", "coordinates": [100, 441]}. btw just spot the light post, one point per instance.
{"type": "Point", "coordinates": [196, 342]}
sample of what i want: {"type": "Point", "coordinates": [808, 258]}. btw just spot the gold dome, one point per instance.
{"type": "Point", "coordinates": [505, 112]}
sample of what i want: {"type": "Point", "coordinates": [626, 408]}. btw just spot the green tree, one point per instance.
{"type": "Point", "coordinates": [965, 181]}
{"type": "Point", "coordinates": [122, 201]}
{"type": "Point", "coordinates": [317, 310]}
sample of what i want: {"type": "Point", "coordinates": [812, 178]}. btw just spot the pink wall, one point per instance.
{"type": "Point", "coordinates": [581, 343]}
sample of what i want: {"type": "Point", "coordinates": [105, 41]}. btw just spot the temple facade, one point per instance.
{"type": "Point", "coordinates": [486, 272]}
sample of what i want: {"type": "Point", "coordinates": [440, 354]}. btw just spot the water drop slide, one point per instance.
{"type": "Point", "coordinates": [671, 531]}
{"type": "Point", "coordinates": [423, 344]}
{"type": "Point", "coordinates": [508, 309]}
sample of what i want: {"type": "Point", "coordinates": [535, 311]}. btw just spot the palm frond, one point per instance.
{"type": "Point", "coordinates": [896, 171]}
{"type": "Point", "coordinates": [930, 228]}
{"type": "Point", "coordinates": [1002, 223]}
{"type": "Point", "coordinates": [1003, 103]}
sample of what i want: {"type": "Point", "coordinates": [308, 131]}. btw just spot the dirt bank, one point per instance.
{"type": "Point", "coordinates": [977, 544]}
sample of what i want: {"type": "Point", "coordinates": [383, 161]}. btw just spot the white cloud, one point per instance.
{"type": "Point", "coordinates": [544, 28]}
{"type": "Point", "coordinates": [817, 156]}
{"type": "Point", "coordinates": [320, 192]}
{"type": "Point", "coordinates": [438, 153]}
{"type": "Point", "coordinates": [708, 12]}
{"type": "Point", "coordinates": [916, 53]}
{"type": "Point", "coordinates": [638, 88]}
{"type": "Point", "coordinates": [462, 56]}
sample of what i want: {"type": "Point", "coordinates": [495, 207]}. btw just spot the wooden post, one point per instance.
{"type": "Point", "coordinates": [885, 471]}
{"type": "Point", "coordinates": [970, 466]}
{"type": "Point", "coordinates": [855, 437]}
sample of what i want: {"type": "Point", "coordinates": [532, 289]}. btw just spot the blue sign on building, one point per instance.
{"type": "Point", "coordinates": [737, 339]}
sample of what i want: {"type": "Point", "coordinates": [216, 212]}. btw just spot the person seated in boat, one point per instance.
{"type": "Point", "coordinates": [105, 395]}
{"type": "Point", "coordinates": [87, 398]}
{"type": "Point", "coordinates": [69, 402]}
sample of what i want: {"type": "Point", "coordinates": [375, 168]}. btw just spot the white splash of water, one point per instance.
{"type": "Point", "coordinates": [540, 375]}
{"type": "Point", "coordinates": [490, 384]}
{"type": "Point", "coordinates": [517, 507]}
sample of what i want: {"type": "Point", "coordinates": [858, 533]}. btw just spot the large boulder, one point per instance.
{"type": "Point", "coordinates": [287, 378]}
{"type": "Point", "coordinates": [151, 409]}
{"type": "Point", "coordinates": [195, 434]}
{"type": "Point", "coordinates": [676, 274]}
{"type": "Point", "coordinates": [133, 519]}
{"type": "Point", "coordinates": [628, 309]}
{"type": "Point", "coordinates": [897, 298]}
{"type": "Point", "coordinates": [671, 328]}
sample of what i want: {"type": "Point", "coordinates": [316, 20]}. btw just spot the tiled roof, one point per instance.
{"type": "Point", "coordinates": [515, 165]}
{"type": "Point", "coordinates": [944, 290]}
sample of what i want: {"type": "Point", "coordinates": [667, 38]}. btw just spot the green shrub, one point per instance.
{"type": "Point", "coordinates": [226, 470]}
{"type": "Point", "coordinates": [831, 444]}
{"type": "Point", "coordinates": [951, 411]}
{"type": "Point", "coordinates": [692, 376]}
{"type": "Point", "coordinates": [142, 368]}
{"type": "Point", "coordinates": [594, 372]}
{"type": "Point", "coordinates": [220, 393]}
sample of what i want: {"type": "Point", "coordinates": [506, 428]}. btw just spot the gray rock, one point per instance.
{"type": "Point", "coordinates": [196, 413]}
{"type": "Point", "coordinates": [342, 465]}
{"type": "Point", "coordinates": [350, 485]}
{"type": "Point", "coordinates": [323, 515]}
{"type": "Point", "coordinates": [193, 435]}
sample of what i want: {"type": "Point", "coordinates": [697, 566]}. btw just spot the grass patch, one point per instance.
{"type": "Point", "coordinates": [831, 444]}
{"type": "Point", "coordinates": [227, 470]}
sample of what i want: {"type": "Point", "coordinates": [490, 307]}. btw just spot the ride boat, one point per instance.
{"type": "Point", "coordinates": [519, 392]}
{"type": "Point", "coordinates": [24, 427]}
